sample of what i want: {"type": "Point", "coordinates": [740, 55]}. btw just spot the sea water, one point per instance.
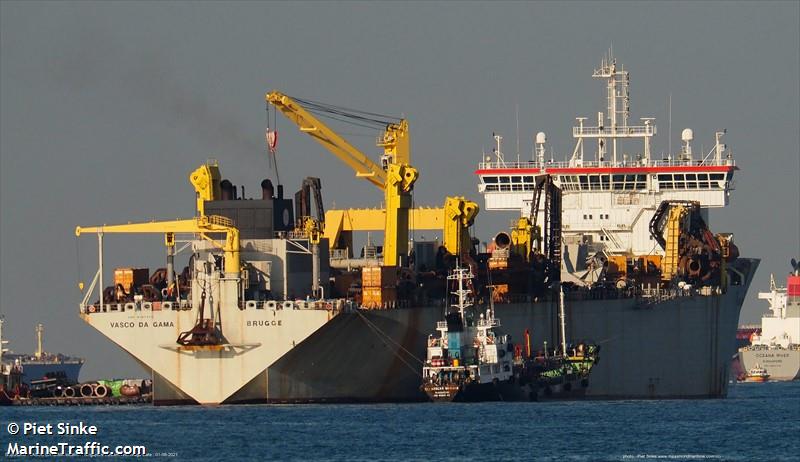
{"type": "Point", "coordinates": [758, 421]}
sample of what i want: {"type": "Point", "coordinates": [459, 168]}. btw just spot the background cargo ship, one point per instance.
{"type": "Point", "coordinates": [42, 363]}
{"type": "Point", "coordinates": [776, 347]}
{"type": "Point", "coordinates": [257, 321]}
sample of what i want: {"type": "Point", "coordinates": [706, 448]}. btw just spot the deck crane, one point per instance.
{"type": "Point", "coordinates": [395, 177]}
{"type": "Point", "coordinates": [206, 182]}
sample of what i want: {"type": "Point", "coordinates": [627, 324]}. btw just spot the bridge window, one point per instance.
{"type": "Point", "coordinates": [490, 179]}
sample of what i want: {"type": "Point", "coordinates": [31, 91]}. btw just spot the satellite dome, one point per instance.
{"type": "Point", "coordinates": [687, 134]}
{"type": "Point", "coordinates": [541, 138]}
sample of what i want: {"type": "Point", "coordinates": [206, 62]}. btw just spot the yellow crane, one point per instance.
{"type": "Point", "coordinates": [205, 180]}
{"type": "Point", "coordinates": [395, 177]}
{"type": "Point", "coordinates": [202, 225]}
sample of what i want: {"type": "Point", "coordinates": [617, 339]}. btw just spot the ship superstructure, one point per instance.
{"type": "Point", "coordinates": [610, 197]}
{"type": "Point", "coordinates": [777, 347]}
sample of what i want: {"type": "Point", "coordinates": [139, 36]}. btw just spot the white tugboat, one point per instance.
{"type": "Point", "coordinates": [472, 360]}
{"type": "Point", "coordinates": [469, 359]}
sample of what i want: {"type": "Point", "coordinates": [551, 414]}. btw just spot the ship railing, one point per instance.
{"type": "Point", "coordinates": [132, 305]}
{"type": "Point", "coordinates": [528, 165]}
{"type": "Point", "coordinates": [441, 325]}
{"type": "Point", "coordinates": [630, 130]}
{"type": "Point", "coordinates": [335, 305]}
{"type": "Point", "coordinates": [339, 254]}
{"type": "Point", "coordinates": [219, 220]}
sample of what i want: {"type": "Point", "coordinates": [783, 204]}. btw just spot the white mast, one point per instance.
{"type": "Point", "coordinates": [460, 274]}
{"type": "Point", "coordinates": [497, 152]}
{"type": "Point", "coordinates": [618, 110]}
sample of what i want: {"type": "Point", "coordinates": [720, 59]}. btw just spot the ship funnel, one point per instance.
{"type": "Point", "coordinates": [502, 240]}
{"type": "Point", "coordinates": [267, 190]}
{"type": "Point", "coordinates": [227, 190]}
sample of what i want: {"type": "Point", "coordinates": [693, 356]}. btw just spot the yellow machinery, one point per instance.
{"type": "Point", "coordinates": [675, 224]}
{"type": "Point", "coordinates": [395, 178]}
{"type": "Point", "coordinates": [206, 184]}
{"type": "Point", "coordinates": [525, 238]}
{"type": "Point", "coordinates": [459, 214]}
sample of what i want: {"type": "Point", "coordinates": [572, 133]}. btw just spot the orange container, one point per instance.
{"type": "Point", "coordinates": [378, 297]}
{"type": "Point", "coordinates": [131, 277]}
{"type": "Point", "coordinates": [379, 276]}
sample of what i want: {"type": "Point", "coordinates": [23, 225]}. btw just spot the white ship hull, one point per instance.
{"type": "Point", "coordinates": [781, 364]}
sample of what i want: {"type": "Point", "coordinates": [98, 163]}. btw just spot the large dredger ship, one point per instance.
{"type": "Point", "coordinates": [273, 304]}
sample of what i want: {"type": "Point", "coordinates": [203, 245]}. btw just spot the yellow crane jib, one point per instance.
{"type": "Point", "coordinates": [330, 140]}
{"type": "Point", "coordinates": [202, 225]}
{"type": "Point", "coordinates": [206, 180]}
{"type": "Point", "coordinates": [395, 177]}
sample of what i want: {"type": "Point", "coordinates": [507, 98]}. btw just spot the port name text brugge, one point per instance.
{"type": "Point", "coordinates": [132, 324]}
{"type": "Point", "coordinates": [274, 322]}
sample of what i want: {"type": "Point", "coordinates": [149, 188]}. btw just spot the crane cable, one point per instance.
{"type": "Point", "coordinates": [78, 264]}
{"type": "Point", "coordinates": [355, 114]}
{"type": "Point", "coordinates": [272, 158]}
{"type": "Point", "coordinates": [382, 335]}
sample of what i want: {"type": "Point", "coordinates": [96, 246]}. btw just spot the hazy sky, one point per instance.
{"type": "Point", "coordinates": [106, 107]}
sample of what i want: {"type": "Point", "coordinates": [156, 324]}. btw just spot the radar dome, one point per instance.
{"type": "Point", "coordinates": [687, 134]}
{"type": "Point", "coordinates": [541, 138]}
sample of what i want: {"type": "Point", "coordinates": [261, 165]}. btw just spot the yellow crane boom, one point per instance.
{"type": "Point", "coordinates": [396, 178]}
{"type": "Point", "coordinates": [202, 225]}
